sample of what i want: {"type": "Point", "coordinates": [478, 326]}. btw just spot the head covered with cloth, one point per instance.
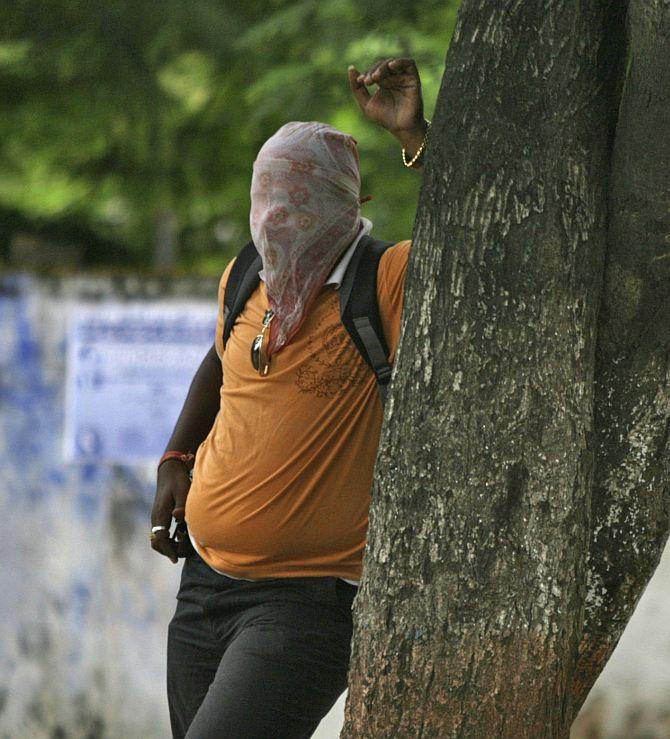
{"type": "Point", "coordinates": [305, 212]}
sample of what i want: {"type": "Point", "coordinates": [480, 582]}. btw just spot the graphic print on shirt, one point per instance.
{"type": "Point", "coordinates": [333, 364]}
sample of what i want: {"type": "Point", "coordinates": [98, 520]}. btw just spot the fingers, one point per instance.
{"type": "Point", "coordinates": [163, 544]}
{"type": "Point", "coordinates": [386, 68]}
{"type": "Point", "coordinates": [404, 66]}
{"type": "Point", "coordinates": [397, 104]}
{"type": "Point", "coordinates": [172, 488]}
{"type": "Point", "coordinates": [161, 515]}
{"type": "Point", "coordinates": [182, 540]}
{"type": "Point", "coordinates": [171, 491]}
{"type": "Point", "coordinates": [358, 88]}
{"type": "Point", "coordinates": [179, 493]}
{"type": "Point", "coordinates": [377, 72]}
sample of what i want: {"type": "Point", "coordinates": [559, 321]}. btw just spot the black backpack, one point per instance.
{"type": "Point", "coordinates": [359, 310]}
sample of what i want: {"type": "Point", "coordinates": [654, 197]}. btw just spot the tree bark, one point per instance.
{"type": "Point", "coordinates": [631, 488]}
{"type": "Point", "coordinates": [470, 611]}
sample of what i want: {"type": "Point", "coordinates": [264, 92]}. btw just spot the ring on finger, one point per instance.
{"type": "Point", "coordinates": [155, 530]}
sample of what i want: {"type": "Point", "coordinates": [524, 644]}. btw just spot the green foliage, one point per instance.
{"type": "Point", "coordinates": [115, 111]}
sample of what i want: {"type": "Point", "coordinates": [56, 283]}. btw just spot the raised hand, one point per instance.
{"type": "Point", "coordinates": [396, 104]}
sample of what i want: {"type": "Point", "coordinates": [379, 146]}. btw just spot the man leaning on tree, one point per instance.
{"type": "Point", "coordinates": [279, 433]}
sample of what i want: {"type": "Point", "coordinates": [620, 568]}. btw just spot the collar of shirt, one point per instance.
{"type": "Point", "coordinates": [337, 275]}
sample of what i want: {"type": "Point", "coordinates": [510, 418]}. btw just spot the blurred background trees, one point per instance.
{"type": "Point", "coordinates": [129, 127]}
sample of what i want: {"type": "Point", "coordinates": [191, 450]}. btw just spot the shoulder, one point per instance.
{"type": "Point", "coordinates": [393, 265]}
{"type": "Point", "coordinates": [396, 256]}
{"type": "Point", "coordinates": [224, 278]}
{"type": "Point", "coordinates": [218, 338]}
{"type": "Point", "coordinates": [390, 290]}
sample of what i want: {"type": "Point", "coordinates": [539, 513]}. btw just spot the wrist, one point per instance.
{"type": "Point", "coordinates": [411, 138]}
{"type": "Point", "coordinates": [413, 152]}
{"type": "Point", "coordinates": [187, 459]}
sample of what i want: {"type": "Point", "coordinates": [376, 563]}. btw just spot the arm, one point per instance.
{"type": "Point", "coordinates": [397, 104]}
{"type": "Point", "coordinates": [194, 423]}
{"type": "Point", "coordinates": [200, 407]}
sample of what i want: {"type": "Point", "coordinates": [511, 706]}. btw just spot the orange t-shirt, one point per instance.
{"type": "Point", "coordinates": [281, 485]}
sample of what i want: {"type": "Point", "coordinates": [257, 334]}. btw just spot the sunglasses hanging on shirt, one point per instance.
{"type": "Point", "coordinates": [259, 358]}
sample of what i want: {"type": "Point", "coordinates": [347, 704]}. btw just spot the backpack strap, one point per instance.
{"type": "Point", "coordinates": [242, 281]}
{"type": "Point", "coordinates": [359, 309]}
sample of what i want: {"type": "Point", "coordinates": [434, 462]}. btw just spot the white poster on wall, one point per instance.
{"type": "Point", "coordinates": [129, 367]}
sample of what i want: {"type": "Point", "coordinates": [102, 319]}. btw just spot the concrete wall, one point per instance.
{"type": "Point", "coordinates": [84, 601]}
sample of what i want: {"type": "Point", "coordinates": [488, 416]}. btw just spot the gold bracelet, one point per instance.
{"type": "Point", "coordinates": [421, 149]}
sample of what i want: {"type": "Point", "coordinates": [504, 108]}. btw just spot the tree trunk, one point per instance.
{"type": "Point", "coordinates": [631, 488]}
{"type": "Point", "coordinates": [471, 606]}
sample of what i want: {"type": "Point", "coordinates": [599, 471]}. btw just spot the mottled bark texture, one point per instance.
{"type": "Point", "coordinates": [631, 486]}
{"type": "Point", "coordinates": [471, 606]}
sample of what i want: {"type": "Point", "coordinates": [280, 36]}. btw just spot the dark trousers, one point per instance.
{"type": "Point", "coordinates": [256, 660]}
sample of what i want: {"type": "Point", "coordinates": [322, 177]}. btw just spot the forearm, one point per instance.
{"type": "Point", "coordinates": [200, 407]}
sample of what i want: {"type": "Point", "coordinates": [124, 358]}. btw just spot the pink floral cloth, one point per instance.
{"type": "Point", "coordinates": [305, 212]}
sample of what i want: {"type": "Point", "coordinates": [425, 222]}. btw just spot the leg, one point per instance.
{"type": "Point", "coordinates": [282, 671]}
{"type": "Point", "coordinates": [193, 652]}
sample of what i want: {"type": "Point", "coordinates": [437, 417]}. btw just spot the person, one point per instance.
{"type": "Point", "coordinates": [272, 525]}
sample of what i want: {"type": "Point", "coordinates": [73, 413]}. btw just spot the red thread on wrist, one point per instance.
{"type": "Point", "coordinates": [186, 458]}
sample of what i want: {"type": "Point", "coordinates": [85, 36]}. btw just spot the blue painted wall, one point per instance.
{"type": "Point", "coordinates": [85, 602]}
